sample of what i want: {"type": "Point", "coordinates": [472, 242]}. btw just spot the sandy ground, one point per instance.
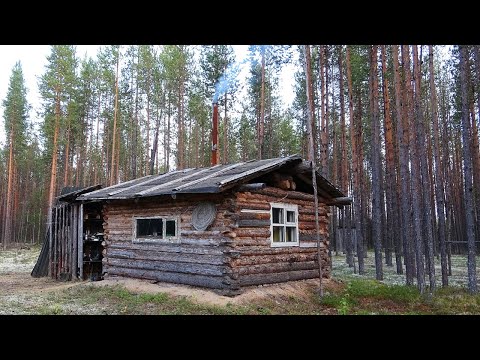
{"type": "Point", "coordinates": [23, 283]}
{"type": "Point", "coordinates": [296, 289]}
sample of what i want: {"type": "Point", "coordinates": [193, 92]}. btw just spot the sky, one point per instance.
{"type": "Point", "coordinates": [34, 58]}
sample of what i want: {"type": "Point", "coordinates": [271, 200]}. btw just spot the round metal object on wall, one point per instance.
{"type": "Point", "coordinates": [203, 215]}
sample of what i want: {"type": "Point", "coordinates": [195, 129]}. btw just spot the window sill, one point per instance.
{"type": "Point", "coordinates": [284, 244]}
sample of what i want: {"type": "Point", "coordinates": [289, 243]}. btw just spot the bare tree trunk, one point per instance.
{"type": "Point", "coordinates": [311, 156]}
{"type": "Point", "coordinates": [467, 168]}
{"type": "Point", "coordinates": [356, 175]}
{"type": "Point", "coordinates": [114, 133]}
{"type": "Point", "coordinates": [392, 229]}
{"type": "Point", "coordinates": [262, 109]}
{"type": "Point", "coordinates": [67, 155]}
{"type": "Point", "coordinates": [423, 175]}
{"type": "Point", "coordinates": [376, 188]}
{"type": "Point", "coordinates": [415, 172]}
{"type": "Point", "coordinates": [7, 233]}
{"type": "Point", "coordinates": [344, 176]}
{"type": "Point", "coordinates": [53, 175]}
{"type": "Point", "coordinates": [402, 135]}
{"type": "Point", "coordinates": [439, 183]}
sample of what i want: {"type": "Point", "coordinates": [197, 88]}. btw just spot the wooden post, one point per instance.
{"type": "Point", "coordinates": [74, 241]}
{"type": "Point", "coordinates": [55, 240]}
{"type": "Point", "coordinates": [80, 241]}
{"type": "Point", "coordinates": [50, 242]}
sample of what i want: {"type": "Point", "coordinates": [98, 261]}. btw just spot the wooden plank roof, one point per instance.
{"type": "Point", "coordinates": [213, 179]}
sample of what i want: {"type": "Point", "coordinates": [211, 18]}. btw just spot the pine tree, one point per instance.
{"type": "Point", "coordinates": [15, 115]}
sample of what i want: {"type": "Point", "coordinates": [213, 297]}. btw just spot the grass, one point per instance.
{"type": "Point", "coordinates": [348, 294]}
{"type": "Point", "coordinates": [19, 259]}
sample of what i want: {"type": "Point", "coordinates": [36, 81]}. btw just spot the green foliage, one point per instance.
{"type": "Point", "coordinates": [15, 112]}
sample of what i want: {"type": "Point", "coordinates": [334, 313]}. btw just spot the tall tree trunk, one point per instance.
{"type": "Point", "coordinates": [356, 174]}
{"type": "Point", "coordinates": [392, 224]}
{"type": "Point", "coordinates": [311, 155]}
{"type": "Point", "coordinates": [325, 133]}
{"type": "Point", "coordinates": [96, 165]}
{"type": "Point", "coordinates": [402, 135]}
{"type": "Point", "coordinates": [262, 109]}
{"type": "Point", "coordinates": [439, 183]}
{"type": "Point", "coordinates": [376, 188]}
{"type": "Point", "coordinates": [147, 147]}
{"type": "Point", "coordinates": [322, 121]}
{"type": "Point", "coordinates": [422, 159]}
{"type": "Point", "coordinates": [415, 172]}
{"type": "Point", "coordinates": [114, 133]}
{"type": "Point", "coordinates": [476, 144]}
{"type": "Point", "coordinates": [467, 168]}
{"type": "Point", "coordinates": [181, 147]}
{"type": "Point", "coordinates": [67, 156]}
{"type": "Point", "coordinates": [53, 175]}
{"type": "Point", "coordinates": [7, 233]}
{"type": "Point", "coordinates": [346, 225]}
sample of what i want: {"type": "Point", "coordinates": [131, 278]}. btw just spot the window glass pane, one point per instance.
{"type": "Point", "coordinates": [170, 228]}
{"type": "Point", "coordinates": [291, 234]}
{"type": "Point", "coordinates": [278, 234]}
{"type": "Point", "coordinates": [277, 216]}
{"type": "Point", "coordinates": [291, 216]}
{"type": "Point", "coordinates": [149, 228]}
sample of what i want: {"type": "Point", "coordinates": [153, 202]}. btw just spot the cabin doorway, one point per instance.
{"type": "Point", "coordinates": [93, 240]}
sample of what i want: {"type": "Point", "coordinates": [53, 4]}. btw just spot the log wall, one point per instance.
{"type": "Point", "coordinates": [234, 251]}
{"type": "Point", "coordinates": [197, 258]}
{"type": "Point", "coordinates": [256, 261]}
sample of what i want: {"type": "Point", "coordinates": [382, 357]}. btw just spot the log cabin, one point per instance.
{"type": "Point", "coordinates": [223, 227]}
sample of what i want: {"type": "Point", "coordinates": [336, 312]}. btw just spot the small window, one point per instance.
{"type": "Point", "coordinates": [284, 227]}
{"type": "Point", "coordinates": [155, 228]}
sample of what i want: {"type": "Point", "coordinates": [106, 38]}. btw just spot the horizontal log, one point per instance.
{"type": "Point", "coordinates": [253, 223]}
{"type": "Point", "coordinates": [257, 241]}
{"type": "Point", "coordinates": [310, 237]}
{"type": "Point", "coordinates": [148, 254]}
{"type": "Point", "coordinates": [268, 268]}
{"type": "Point", "coordinates": [274, 258]}
{"type": "Point", "coordinates": [252, 232]}
{"type": "Point", "coordinates": [250, 187]}
{"type": "Point", "coordinates": [216, 240]}
{"type": "Point", "coordinates": [346, 200]}
{"type": "Point", "coordinates": [224, 282]}
{"type": "Point", "coordinates": [257, 279]}
{"type": "Point", "coordinates": [268, 250]}
{"type": "Point", "coordinates": [252, 216]}
{"type": "Point", "coordinates": [252, 205]}
{"type": "Point", "coordinates": [170, 248]}
{"type": "Point", "coordinates": [176, 267]}
{"type": "Point", "coordinates": [311, 218]}
{"type": "Point", "coordinates": [311, 211]}
{"type": "Point", "coordinates": [287, 194]}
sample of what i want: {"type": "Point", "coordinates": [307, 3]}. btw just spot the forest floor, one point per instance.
{"type": "Point", "coordinates": [346, 293]}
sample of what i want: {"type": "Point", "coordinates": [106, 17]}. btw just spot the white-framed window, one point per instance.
{"type": "Point", "coordinates": [155, 228]}
{"type": "Point", "coordinates": [284, 224]}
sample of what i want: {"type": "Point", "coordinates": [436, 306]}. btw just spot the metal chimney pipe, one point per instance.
{"type": "Point", "coordinates": [215, 155]}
